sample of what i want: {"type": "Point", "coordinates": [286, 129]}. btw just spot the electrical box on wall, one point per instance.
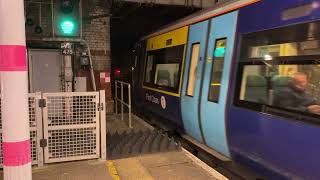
{"type": "Point", "coordinates": [80, 84]}
{"type": "Point", "coordinates": [84, 61]}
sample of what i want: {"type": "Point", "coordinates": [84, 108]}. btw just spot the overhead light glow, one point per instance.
{"type": "Point", "coordinates": [220, 52]}
{"type": "Point", "coordinates": [268, 57]}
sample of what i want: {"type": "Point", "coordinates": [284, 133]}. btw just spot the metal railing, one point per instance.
{"type": "Point", "coordinates": [122, 102]}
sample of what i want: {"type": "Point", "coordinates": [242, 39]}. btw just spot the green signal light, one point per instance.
{"type": "Point", "coordinates": [67, 27]}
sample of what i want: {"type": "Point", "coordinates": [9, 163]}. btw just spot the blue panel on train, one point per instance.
{"type": "Point", "coordinates": [192, 79]}
{"type": "Point", "coordinates": [215, 81]}
{"type": "Point", "coordinates": [287, 147]}
{"type": "Point", "coordinates": [165, 106]}
{"type": "Point", "coordinates": [271, 14]}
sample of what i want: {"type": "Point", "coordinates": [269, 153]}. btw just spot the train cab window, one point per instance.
{"type": "Point", "coordinates": [281, 71]}
{"type": "Point", "coordinates": [162, 68]}
{"type": "Point", "coordinates": [149, 65]}
{"type": "Point", "coordinates": [193, 68]}
{"type": "Point", "coordinates": [216, 71]}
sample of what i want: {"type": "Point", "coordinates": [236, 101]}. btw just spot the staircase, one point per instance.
{"type": "Point", "coordinates": [133, 143]}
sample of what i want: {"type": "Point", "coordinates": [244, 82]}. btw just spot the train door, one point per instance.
{"type": "Point", "coordinates": [192, 79]}
{"type": "Point", "coordinates": [215, 81]}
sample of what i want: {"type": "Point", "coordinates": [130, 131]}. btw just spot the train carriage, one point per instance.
{"type": "Point", "coordinates": [217, 76]}
{"type": "Point", "coordinates": [276, 39]}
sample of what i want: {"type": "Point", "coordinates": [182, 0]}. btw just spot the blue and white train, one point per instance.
{"type": "Point", "coordinates": [218, 75]}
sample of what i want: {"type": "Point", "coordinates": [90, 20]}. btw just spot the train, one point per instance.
{"type": "Point", "coordinates": [242, 79]}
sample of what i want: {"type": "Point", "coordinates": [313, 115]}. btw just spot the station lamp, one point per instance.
{"type": "Point", "coordinates": [67, 18]}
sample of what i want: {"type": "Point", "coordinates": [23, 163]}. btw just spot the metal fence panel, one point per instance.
{"type": "Point", "coordinates": [35, 133]}
{"type": "Point", "coordinates": [103, 125]}
{"type": "Point", "coordinates": [71, 126]}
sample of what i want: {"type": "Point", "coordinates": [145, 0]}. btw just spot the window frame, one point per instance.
{"type": "Point", "coordinates": [190, 67]}
{"type": "Point", "coordinates": [270, 109]}
{"type": "Point", "coordinates": [164, 88]}
{"type": "Point", "coordinates": [212, 65]}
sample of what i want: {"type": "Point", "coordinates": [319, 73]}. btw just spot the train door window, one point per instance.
{"type": "Point", "coordinates": [217, 68]}
{"type": "Point", "coordinates": [194, 57]}
{"type": "Point", "coordinates": [149, 66]}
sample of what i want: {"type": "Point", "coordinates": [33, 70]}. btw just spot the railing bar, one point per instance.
{"type": "Point", "coordinates": [116, 95]}
{"type": "Point", "coordinates": [121, 100]}
{"type": "Point", "coordinates": [129, 105]}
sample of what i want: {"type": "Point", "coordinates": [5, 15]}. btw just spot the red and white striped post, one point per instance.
{"type": "Point", "coordinates": [14, 92]}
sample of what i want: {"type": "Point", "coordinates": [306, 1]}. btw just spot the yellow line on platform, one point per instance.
{"type": "Point", "coordinates": [112, 170]}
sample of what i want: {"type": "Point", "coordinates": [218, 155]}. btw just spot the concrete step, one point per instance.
{"type": "Point", "coordinates": [130, 143]}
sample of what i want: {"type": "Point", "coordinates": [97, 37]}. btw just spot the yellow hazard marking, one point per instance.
{"type": "Point", "coordinates": [133, 169]}
{"type": "Point", "coordinates": [112, 170]}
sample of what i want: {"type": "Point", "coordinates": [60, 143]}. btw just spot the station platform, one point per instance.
{"type": "Point", "coordinates": [176, 163]}
{"type": "Point", "coordinates": [161, 166]}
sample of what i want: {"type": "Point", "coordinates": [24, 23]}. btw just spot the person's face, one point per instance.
{"type": "Point", "coordinates": [300, 82]}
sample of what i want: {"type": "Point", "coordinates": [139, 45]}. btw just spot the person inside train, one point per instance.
{"type": "Point", "coordinates": [295, 97]}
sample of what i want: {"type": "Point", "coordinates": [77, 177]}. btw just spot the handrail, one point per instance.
{"type": "Point", "coordinates": [121, 99]}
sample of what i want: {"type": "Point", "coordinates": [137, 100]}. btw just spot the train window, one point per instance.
{"type": "Point", "coordinates": [310, 47]}
{"type": "Point", "coordinates": [149, 68]}
{"type": "Point", "coordinates": [280, 69]}
{"type": "Point", "coordinates": [300, 11]}
{"type": "Point", "coordinates": [296, 40]}
{"type": "Point", "coordinates": [193, 68]}
{"type": "Point", "coordinates": [217, 67]}
{"type": "Point", "coordinates": [162, 68]}
{"type": "Point", "coordinates": [294, 87]}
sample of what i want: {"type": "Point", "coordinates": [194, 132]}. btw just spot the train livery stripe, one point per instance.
{"type": "Point", "coordinates": [227, 10]}
{"type": "Point", "coordinates": [207, 14]}
{"type": "Point", "coordinates": [13, 58]}
{"type": "Point", "coordinates": [172, 38]}
{"type": "Point", "coordinates": [16, 153]}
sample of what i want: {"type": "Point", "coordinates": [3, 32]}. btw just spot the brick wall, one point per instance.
{"type": "Point", "coordinates": [95, 30]}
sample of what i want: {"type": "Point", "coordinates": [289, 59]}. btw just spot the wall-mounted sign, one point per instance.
{"type": "Point", "coordinates": [66, 48]}
{"type": "Point", "coordinates": [163, 102]}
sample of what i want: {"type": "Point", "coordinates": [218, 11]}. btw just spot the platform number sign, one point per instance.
{"type": "Point", "coordinates": [66, 48]}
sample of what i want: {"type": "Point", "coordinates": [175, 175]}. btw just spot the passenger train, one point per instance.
{"type": "Point", "coordinates": [243, 79]}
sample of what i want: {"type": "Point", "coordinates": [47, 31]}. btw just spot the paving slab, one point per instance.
{"type": "Point", "coordinates": [163, 166]}
{"type": "Point", "coordinates": [77, 170]}
{"type": "Point", "coordinates": [162, 159]}
{"type": "Point", "coordinates": [181, 171]}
